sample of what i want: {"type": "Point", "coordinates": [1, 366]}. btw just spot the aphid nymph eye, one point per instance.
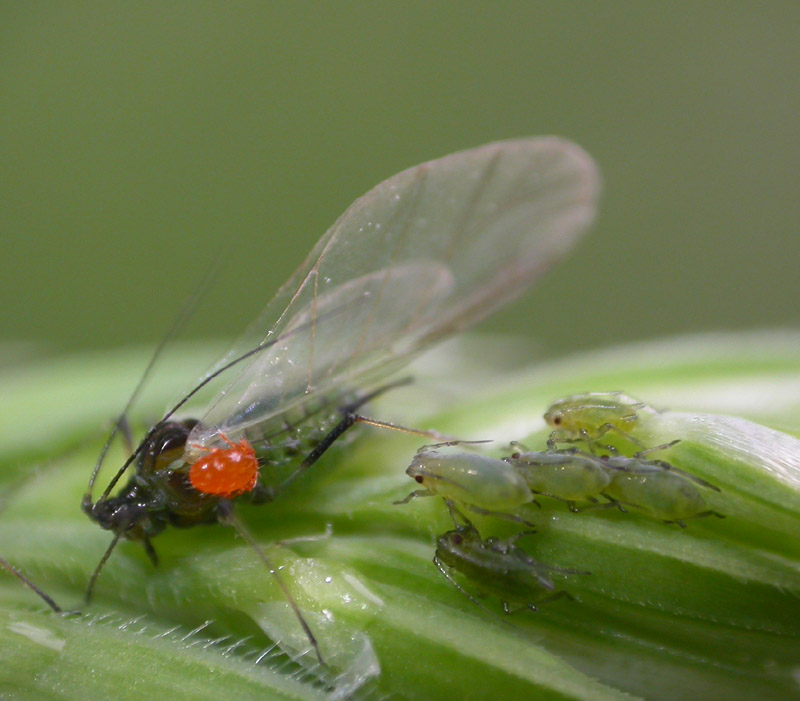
{"type": "Point", "coordinates": [557, 420]}
{"type": "Point", "coordinates": [457, 539]}
{"type": "Point", "coordinates": [418, 478]}
{"type": "Point", "coordinates": [515, 456]}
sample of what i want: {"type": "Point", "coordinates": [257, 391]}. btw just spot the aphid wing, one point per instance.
{"type": "Point", "coordinates": [424, 254]}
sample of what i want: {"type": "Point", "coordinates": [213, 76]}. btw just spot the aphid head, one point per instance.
{"type": "Point", "coordinates": [420, 469]}
{"type": "Point", "coordinates": [450, 546]}
{"type": "Point", "coordinates": [125, 515]}
{"type": "Point", "coordinates": [432, 469]}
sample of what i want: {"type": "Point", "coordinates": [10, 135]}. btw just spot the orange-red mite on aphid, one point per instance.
{"type": "Point", "coordinates": [226, 472]}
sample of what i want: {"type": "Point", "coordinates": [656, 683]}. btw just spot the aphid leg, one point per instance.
{"type": "Point", "coordinates": [28, 583]}
{"type": "Point", "coordinates": [349, 419]}
{"type": "Point", "coordinates": [103, 560]}
{"type": "Point", "coordinates": [677, 523]}
{"type": "Point", "coordinates": [711, 513]}
{"type": "Point", "coordinates": [455, 514]}
{"type": "Point", "coordinates": [444, 570]}
{"type": "Point", "coordinates": [415, 493]}
{"type": "Point", "coordinates": [499, 514]}
{"type": "Point", "coordinates": [612, 503]}
{"type": "Point", "coordinates": [150, 550]}
{"type": "Point", "coordinates": [550, 597]}
{"type": "Point", "coordinates": [558, 595]}
{"type": "Point", "coordinates": [592, 440]}
{"type": "Point", "coordinates": [669, 466]}
{"type": "Point", "coordinates": [656, 449]}
{"type": "Point", "coordinates": [569, 502]}
{"type": "Point", "coordinates": [227, 517]}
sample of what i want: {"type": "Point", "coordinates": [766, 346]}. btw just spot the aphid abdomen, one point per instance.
{"type": "Point", "coordinates": [663, 494]}
{"type": "Point", "coordinates": [285, 441]}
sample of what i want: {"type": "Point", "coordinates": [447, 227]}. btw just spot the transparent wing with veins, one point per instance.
{"type": "Point", "coordinates": [421, 256]}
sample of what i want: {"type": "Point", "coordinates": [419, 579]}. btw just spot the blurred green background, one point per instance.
{"type": "Point", "coordinates": [142, 140]}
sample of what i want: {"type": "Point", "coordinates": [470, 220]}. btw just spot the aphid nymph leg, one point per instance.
{"type": "Point", "coordinates": [444, 570]}
{"type": "Point", "coordinates": [656, 449]}
{"type": "Point", "coordinates": [499, 514]}
{"type": "Point", "coordinates": [413, 495]}
{"type": "Point", "coordinates": [455, 514]}
{"type": "Point", "coordinates": [609, 427]}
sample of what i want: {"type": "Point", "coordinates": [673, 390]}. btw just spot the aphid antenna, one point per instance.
{"type": "Point", "coordinates": [28, 583]}
{"type": "Point", "coordinates": [187, 309]}
{"type": "Point", "coordinates": [451, 443]}
{"type": "Point", "coordinates": [227, 517]}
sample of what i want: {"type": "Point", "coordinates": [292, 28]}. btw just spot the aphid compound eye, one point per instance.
{"type": "Point", "coordinates": [226, 472]}
{"type": "Point", "coordinates": [419, 479]}
{"type": "Point", "coordinates": [457, 539]}
{"type": "Point", "coordinates": [557, 420]}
